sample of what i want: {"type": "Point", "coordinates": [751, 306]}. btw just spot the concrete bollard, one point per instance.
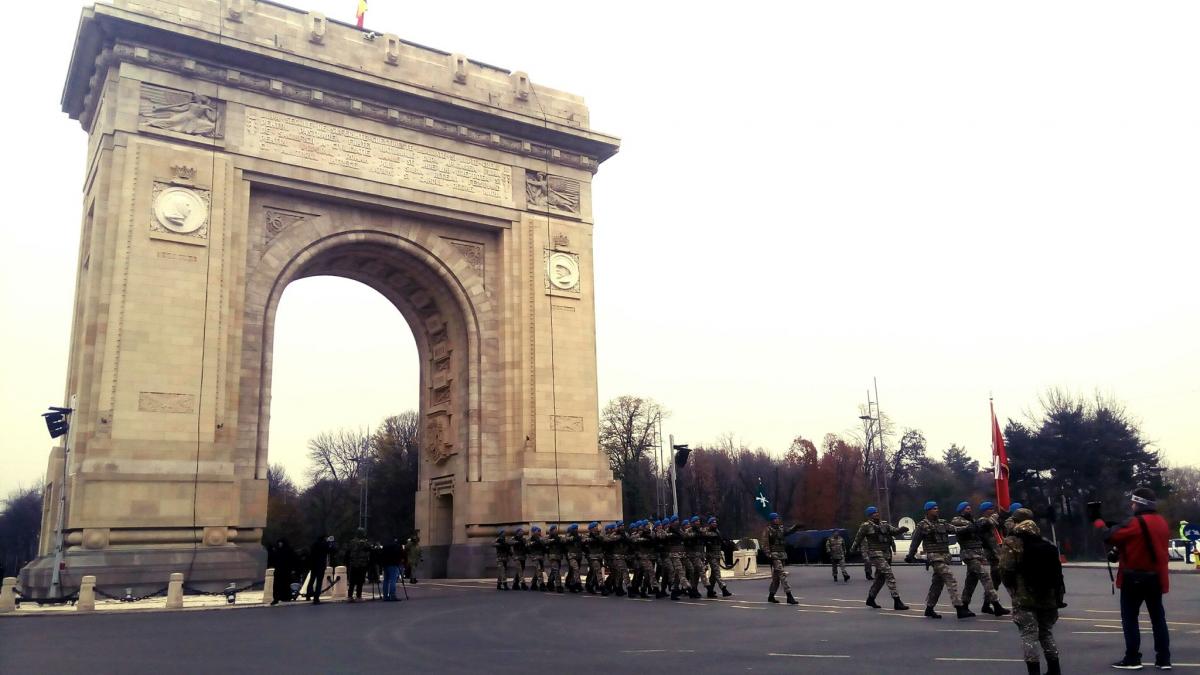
{"type": "Point", "coordinates": [269, 587]}
{"type": "Point", "coordinates": [339, 588]}
{"type": "Point", "coordinates": [87, 595]}
{"type": "Point", "coordinates": [325, 582]}
{"type": "Point", "coordinates": [175, 591]}
{"type": "Point", "coordinates": [745, 563]}
{"type": "Point", "coordinates": [8, 595]}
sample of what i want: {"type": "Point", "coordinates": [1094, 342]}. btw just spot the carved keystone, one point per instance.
{"type": "Point", "coordinates": [316, 28]}
{"type": "Point", "coordinates": [459, 63]}
{"type": "Point", "coordinates": [87, 594]}
{"type": "Point", "coordinates": [175, 591]}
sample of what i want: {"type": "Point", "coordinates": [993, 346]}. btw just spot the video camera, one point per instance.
{"type": "Point", "coordinates": [1093, 514]}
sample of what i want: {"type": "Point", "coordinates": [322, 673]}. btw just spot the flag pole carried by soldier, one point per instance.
{"type": "Point", "coordinates": [875, 536]}
{"type": "Point", "coordinates": [989, 529]}
{"type": "Point", "coordinates": [773, 541]}
{"type": "Point", "coordinates": [1032, 573]}
{"type": "Point", "coordinates": [712, 552]}
{"type": "Point", "coordinates": [935, 534]}
{"type": "Point", "coordinates": [835, 546]}
{"type": "Point", "coordinates": [975, 545]}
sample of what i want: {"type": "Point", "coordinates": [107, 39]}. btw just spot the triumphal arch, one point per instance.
{"type": "Point", "coordinates": [237, 145]}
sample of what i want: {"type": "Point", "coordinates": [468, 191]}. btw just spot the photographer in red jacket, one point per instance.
{"type": "Point", "coordinates": [1141, 544]}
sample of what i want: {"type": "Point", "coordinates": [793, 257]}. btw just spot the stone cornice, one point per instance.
{"type": "Point", "coordinates": [97, 49]}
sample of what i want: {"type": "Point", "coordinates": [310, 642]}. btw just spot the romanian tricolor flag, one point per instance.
{"type": "Point", "coordinates": [362, 12]}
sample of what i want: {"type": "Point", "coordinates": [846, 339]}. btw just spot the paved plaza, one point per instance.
{"type": "Point", "coordinates": [469, 627]}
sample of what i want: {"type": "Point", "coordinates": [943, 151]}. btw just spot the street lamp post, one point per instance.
{"type": "Point", "coordinates": [879, 453]}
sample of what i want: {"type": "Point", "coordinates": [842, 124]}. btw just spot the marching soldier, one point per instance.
{"type": "Point", "coordinates": [662, 554]}
{"type": "Point", "coordinates": [693, 545]}
{"type": "Point", "coordinates": [618, 572]}
{"type": "Point", "coordinates": [712, 556]}
{"type": "Point", "coordinates": [573, 546]}
{"type": "Point", "coordinates": [502, 555]}
{"type": "Point", "coordinates": [1032, 573]}
{"type": "Point", "coordinates": [989, 530]}
{"type": "Point", "coordinates": [676, 551]}
{"type": "Point", "coordinates": [974, 546]}
{"type": "Point", "coordinates": [935, 533]}
{"type": "Point", "coordinates": [535, 549]}
{"type": "Point", "coordinates": [517, 552]}
{"type": "Point", "coordinates": [773, 539]}
{"type": "Point", "coordinates": [555, 550]}
{"type": "Point", "coordinates": [875, 536]}
{"type": "Point", "coordinates": [835, 546]}
{"type": "Point", "coordinates": [641, 537]}
{"type": "Point", "coordinates": [1009, 521]}
{"type": "Point", "coordinates": [593, 546]}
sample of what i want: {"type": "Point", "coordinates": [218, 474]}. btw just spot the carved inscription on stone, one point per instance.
{"type": "Point", "coordinates": [160, 402]}
{"type": "Point", "coordinates": [568, 423]}
{"type": "Point", "coordinates": [179, 111]}
{"type": "Point", "coordinates": [355, 153]}
{"type": "Point", "coordinates": [543, 190]}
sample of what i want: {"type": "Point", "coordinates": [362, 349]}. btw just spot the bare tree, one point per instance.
{"type": "Point", "coordinates": [336, 455]}
{"type": "Point", "coordinates": [628, 425]}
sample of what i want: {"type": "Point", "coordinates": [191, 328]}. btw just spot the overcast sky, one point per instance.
{"type": "Point", "coordinates": [960, 198]}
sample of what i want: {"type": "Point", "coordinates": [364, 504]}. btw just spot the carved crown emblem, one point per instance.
{"type": "Point", "coordinates": [183, 172]}
{"type": "Point", "coordinates": [561, 240]}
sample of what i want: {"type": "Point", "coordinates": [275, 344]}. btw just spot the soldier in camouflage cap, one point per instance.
{"type": "Point", "coordinates": [974, 544]}
{"type": "Point", "coordinates": [935, 534]}
{"type": "Point", "coordinates": [835, 547]}
{"type": "Point", "coordinates": [876, 535]}
{"type": "Point", "coordinates": [1030, 568]}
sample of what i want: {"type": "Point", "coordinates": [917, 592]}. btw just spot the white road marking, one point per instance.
{"type": "Point", "coordinates": [820, 611]}
{"type": "Point", "coordinates": [966, 630]}
{"type": "Point", "coordinates": [987, 659]}
{"type": "Point", "coordinates": [813, 655]}
{"type": "Point", "coordinates": [644, 651]}
{"type": "Point", "coordinates": [828, 606]}
{"type": "Point", "coordinates": [761, 609]}
{"type": "Point", "coordinates": [1096, 632]}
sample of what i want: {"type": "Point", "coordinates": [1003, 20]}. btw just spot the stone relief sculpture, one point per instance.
{"type": "Point", "coordinates": [543, 190]}
{"type": "Point", "coordinates": [179, 111]}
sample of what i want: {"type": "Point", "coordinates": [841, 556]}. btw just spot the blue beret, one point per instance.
{"type": "Point", "coordinates": [986, 506]}
{"type": "Point", "coordinates": [502, 531]}
{"type": "Point", "coordinates": [961, 507]}
{"type": "Point", "coordinates": [619, 522]}
{"type": "Point", "coordinates": [675, 517]}
{"type": "Point", "coordinates": [535, 528]}
{"type": "Point", "coordinates": [712, 519]}
{"type": "Point", "coordinates": [573, 526]}
{"type": "Point", "coordinates": [593, 525]}
{"type": "Point", "coordinates": [1014, 506]}
{"type": "Point", "coordinates": [610, 527]}
{"type": "Point", "coordinates": [553, 528]}
{"type": "Point", "coordinates": [695, 519]}
{"type": "Point", "coordinates": [930, 505]}
{"type": "Point", "coordinates": [871, 510]}
{"type": "Point", "coordinates": [772, 516]}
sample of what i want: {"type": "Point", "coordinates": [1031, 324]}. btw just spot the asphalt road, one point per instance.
{"type": "Point", "coordinates": [469, 627]}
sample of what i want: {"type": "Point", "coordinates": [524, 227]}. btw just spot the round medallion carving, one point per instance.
{"type": "Point", "coordinates": [180, 210]}
{"type": "Point", "coordinates": [564, 271]}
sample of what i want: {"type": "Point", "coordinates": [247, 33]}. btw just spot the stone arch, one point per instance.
{"type": "Point", "coordinates": [424, 278]}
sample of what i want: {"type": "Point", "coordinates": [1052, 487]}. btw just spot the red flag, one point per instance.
{"type": "Point", "coordinates": [999, 462]}
{"type": "Point", "coordinates": [361, 13]}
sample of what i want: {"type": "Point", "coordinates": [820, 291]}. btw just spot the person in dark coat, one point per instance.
{"type": "Point", "coordinates": [283, 560]}
{"type": "Point", "coordinates": [318, 557]}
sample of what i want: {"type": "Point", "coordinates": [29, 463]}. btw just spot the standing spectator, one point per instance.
{"type": "Point", "coordinates": [391, 557]}
{"type": "Point", "coordinates": [412, 551]}
{"type": "Point", "coordinates": [1141, 543]}
{"type": "Point", "coordinates": [318, 557]}
{"type": "Point", "coordinates": [358, 559]}
{"type": "Point", "coordinates": [283, 560]}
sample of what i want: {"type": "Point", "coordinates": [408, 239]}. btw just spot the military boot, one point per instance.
{"type": "Point", "coordinates": [675, 593]}
{"type": "Point", "coordinates": [999, 610]}
{"type": "Point", "coordinates": [932, 614]}
{"type": "Point", "coordinates": [694, 594]}
{"type": "Point", "coordinates": [525, 586]}
{"type": "Point", "coordinates": [964, 612]}
{"type": "Point", "coordinates": [771, 598]}
{"type": "Point", "coordinates": [1033, 668]}
{"type": "Point", "coordinates": [725, 592]}
{"type": "Point", "coordinates": [871, 602]}
{"type": "Point", "coordinates": [846, 577]}
{"type": "Point", "coordinates": [561, 588]}
{"type": "Point", "coordinates": [986, 608]}
{"type": "Point", "coordinates": [621, 592]}
{"type": "Point", "coordinates": [1052, 667]}
{"type": "Point", "coordinates": [898, 605]}
{"type": "Point", "coordinates": [791, 600]}
{"type": "Point", "coordinates": [712, 592]}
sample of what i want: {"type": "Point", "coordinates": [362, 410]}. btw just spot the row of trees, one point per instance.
{"type": "Point", "coordinates": [1074, 451]}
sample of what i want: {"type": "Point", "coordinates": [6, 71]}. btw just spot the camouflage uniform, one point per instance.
{"type": "Point", "coordinates": [675, 549]}
{"type": "Point", "coordinates": [517, 548]}
{"type": "Point", "coordinates": [502, 555]}
{"type": "Point", "coordinates": [694, 564]}
{"type": "Point", "coordinates": [974, 555]}
{"type": "Point", "coordinates": [936, 536]}
{"type": "Point", "coordinates": [573, 545]}
{"type": "Point", "coordinates": [773, 539]}
{"type": "Point", "coordinates": [1035, 610]}
{"type": "Point", "coordinates": [835, 546]}
{"type": "Point", "coordinates": [535, 549]}
{"type": "Point", "coordinates": [618, 573]}
{"type": "Point", "coordinates": [875, 538]}
{"type": "Point", "coordinates": [554, 556]}
{"type": "Point", "coordinates": [989, 530]}
{"type": "Point", "coordinates": [593, 545]}
{"type": "Point", "coordinates": [643, 556]}
{"type": "Point", "coordinates": [662, 555]}
{"type": "Point", "coordinates": [713, 554]}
